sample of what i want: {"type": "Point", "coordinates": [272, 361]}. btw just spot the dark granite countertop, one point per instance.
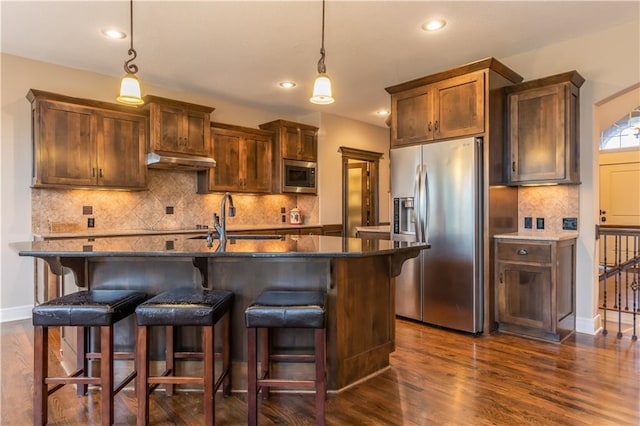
{"type": "Point", "coordinates": [181, 245]}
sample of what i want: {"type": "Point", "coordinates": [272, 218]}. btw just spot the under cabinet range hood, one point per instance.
{"type": "Point", "coordinates": [179, 162]}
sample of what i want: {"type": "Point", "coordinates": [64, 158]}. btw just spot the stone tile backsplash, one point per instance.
{"type": "Point", "coordinates": [549, 202]}
{"type": "Point", "coordinates": [60, 210]}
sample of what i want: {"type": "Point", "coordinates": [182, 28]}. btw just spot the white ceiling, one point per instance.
{"type": "Point", "coordinates": [240, 50]}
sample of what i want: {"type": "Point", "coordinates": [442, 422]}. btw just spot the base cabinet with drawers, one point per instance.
{"type": "Point", "coordinates": [535, 287]}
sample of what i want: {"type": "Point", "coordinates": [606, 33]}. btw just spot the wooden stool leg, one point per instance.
{"type": "Point", "coordinates": [82, 363]}
{"type": "Point", "coordinates": [226, 354]}
{"type": "Point", "coordinates": [252, 371]}
{"type": "Point", "coordinates": [264, 360]}
{"type": "Point", "coordinates": [40, 372]}
{"type": "Point", "coordinates": [142, 389]}
{"type": "Point", "coordinates": [321, 378]}
{"type": "Point", "coordinates": [106, 373]}
{"type": "Point", "coordinates": [169, 351]}
{"type": "Point", "coordinates": [208, 347]}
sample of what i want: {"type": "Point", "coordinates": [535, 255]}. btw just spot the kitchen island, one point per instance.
{"type": "Point", "coordinates": [357, 275]}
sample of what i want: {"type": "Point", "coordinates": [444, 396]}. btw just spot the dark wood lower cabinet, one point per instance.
{"type": "Point", "coordinates": [535, 287]}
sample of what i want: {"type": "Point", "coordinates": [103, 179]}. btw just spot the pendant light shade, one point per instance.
{"type": "Point", "coordinates": [130, 92]}
{"type": "Point", "coordinates": [322, 93]}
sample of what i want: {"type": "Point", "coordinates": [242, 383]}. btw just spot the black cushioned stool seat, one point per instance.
{"type": "Point", "coordinates": [285, 309]}
{"type": "Point", "coordinates": [91, 308]}
{"type": "Point", "coordinates": [182, 307]}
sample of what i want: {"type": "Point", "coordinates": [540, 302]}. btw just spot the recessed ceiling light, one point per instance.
{"type": "Point", "coordinates": [113, 33]}
{"type": "Point", "coordinates": [287, 84]}
{"type": "Point", "coordinates": [434, 24]}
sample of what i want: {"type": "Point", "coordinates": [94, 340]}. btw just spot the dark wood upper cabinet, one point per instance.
{"type": "Point", "coordinates": [243, 160]}
{"type": "Point", "coordinates": [84, 143]}
{"type": "Point", "coordinates": [295, 141]}
{"type": "Point", "coordinates": [449, 108]}
{"type": "Point", "coordinates": [121, 146]}
{"type": "Point", "coordinates": [178, 127]}
{"type": "Point", "coordinates": [544, 122]}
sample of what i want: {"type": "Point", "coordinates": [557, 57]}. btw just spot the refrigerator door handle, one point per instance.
{"type": "Point", "coordinates": [416, 204]}
{"type": "Point", "coordinates": [425, 204]}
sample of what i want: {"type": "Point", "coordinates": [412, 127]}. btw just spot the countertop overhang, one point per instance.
{"type": "Point", "coordinates": [180, 245]}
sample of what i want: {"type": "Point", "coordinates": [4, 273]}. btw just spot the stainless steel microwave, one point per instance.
{"type": "Point", "coordinates": [299, 176]}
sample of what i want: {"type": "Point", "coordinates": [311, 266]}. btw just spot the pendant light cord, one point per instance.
{"type": "Point", "coordinates": [321, 67]}
{"type": "Point", "coordinates": [130, 68]}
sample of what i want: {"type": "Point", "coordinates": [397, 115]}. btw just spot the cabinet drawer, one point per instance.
{"type": "Point", "coordinates": [523, 252]}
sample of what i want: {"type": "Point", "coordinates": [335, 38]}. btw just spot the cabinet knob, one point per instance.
{"type": "Point", "coordinates": [513, 166]}
{"type": "Point", "coordinates": [100, 173]}
{"type": "Point", "coordinates": [436, 126]}
{"type": "Point", "coordinates": [523, 252]}
{"type": "Point", "coordinates": [93, 172]}
{"type": "Point", "coordinates": [429, 126]}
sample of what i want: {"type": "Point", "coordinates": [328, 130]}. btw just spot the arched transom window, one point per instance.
{"type": "Point", "coordinates": [624, 133]}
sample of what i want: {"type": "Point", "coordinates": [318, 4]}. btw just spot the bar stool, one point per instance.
{"type": "Point", "coordinates": [181, 307]}
{"type": "Point", "coordinates": [91, 308]}
{"type": "Point", "coordinates": [285, 309]}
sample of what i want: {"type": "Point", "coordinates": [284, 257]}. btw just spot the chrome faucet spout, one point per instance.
{"type": "Point", "coordinates": [221, 227]}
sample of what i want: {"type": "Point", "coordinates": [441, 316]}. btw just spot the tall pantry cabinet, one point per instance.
{"type": "Point", "coordinates": [469, 100]}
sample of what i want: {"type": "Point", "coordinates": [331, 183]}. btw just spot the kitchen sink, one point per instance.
{"type": "Point", "coordinates": [240, 237]}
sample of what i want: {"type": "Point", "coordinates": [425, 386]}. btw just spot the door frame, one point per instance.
{"type": "Point", "coordinates": [373, 159]}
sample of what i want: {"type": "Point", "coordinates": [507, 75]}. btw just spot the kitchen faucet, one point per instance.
{"type": "Point", "coordinates": [220, 224]}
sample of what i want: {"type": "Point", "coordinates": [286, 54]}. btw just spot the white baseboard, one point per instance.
{"type": "Point", "coordinates": [15, 313]}
{"type": "Point", "coordinates": [588, 325]}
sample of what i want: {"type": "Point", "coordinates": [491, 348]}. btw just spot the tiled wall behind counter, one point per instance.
{"type": "Point", "coordinates": [55, 210]}
{"type": "Point", "coordinates": [549, 202]}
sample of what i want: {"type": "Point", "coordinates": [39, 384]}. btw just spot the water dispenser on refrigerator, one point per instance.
{"type": "Point", "coordinates": [404, 220]}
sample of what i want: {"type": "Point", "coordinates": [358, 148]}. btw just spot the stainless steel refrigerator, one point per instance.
{"type": "Point", "coordinates": [436, 197]}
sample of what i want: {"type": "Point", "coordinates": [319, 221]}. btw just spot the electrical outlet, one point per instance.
{"type": "Point", "coordinates": [87, 209]}
{"type": "Point", "coordinates": [528, 222]}
{"type": "Point", "coordinates": [283, 210]}
{"type": "Point", "coordinates": [539, 222]}
{"type": "Point", "coordinates": [168, 210]}
{"type": "Point", "coordinates": [570, 223]}
{"type": "Point", "coordinates": [91, 222]}
{"type": "Point", "coordinates": [284, 218]}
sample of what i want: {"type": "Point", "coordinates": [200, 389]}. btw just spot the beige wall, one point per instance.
{"type": "Point", "coordinates": [335, 132]}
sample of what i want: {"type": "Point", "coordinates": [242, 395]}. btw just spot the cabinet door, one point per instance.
{"type": "Point", "coordinates": [308, 145]}
{"type": "Point", "coordinates": [195, 133]}
{"type": "Point", "coordinates": [459, 106]}
{"type": "Point", "coordinates": [225, 176]}
{"type": "Point", "coordinates": [290, 142]}
{"type": "Point", "coordinates": [255, 166]}
{"type": "Point", "coordinates": [65, 145]}
{"type": "Point", "coordinates": [524, 295]}
{"type": "Point", "coordinates": [167, 124]}
{"type": "Point", "coordinates": [537, 131]}
{"type": "Point", "coordinates": [412, 116]}
{"type": "Point", "coordinates": [121, 150]}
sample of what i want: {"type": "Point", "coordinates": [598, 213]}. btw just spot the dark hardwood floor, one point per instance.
{"type": "Point", "coordinates": [436, 377]}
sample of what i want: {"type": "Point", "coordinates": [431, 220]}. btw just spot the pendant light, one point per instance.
{"type": "Point", "coordinates": [322, 86]}
{"type": "Point", "coordinates": [130, 92]}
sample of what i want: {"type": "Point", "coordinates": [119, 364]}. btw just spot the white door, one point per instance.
{"type": "Point", "coordinates": [620, 188]}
